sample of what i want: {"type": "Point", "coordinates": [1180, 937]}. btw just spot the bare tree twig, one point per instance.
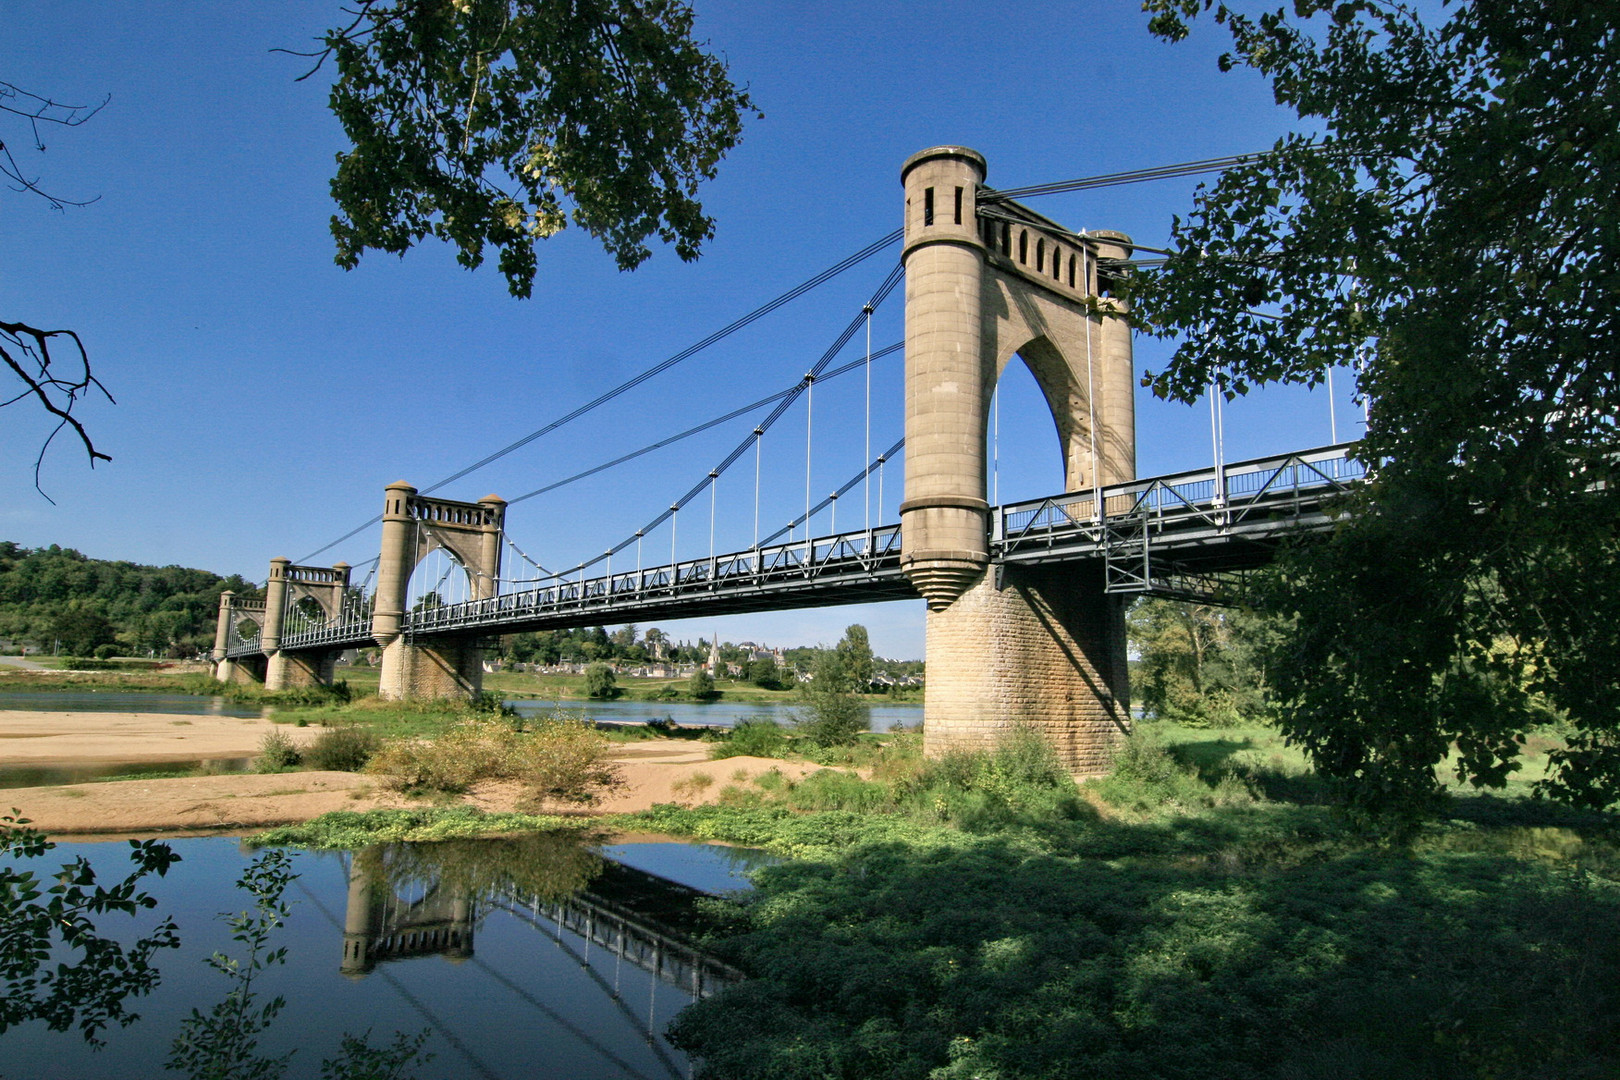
{"type": "Point", "coordinates": [26, 350]}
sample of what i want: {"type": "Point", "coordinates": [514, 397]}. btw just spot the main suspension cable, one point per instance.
{"type": "Point", "coordinates": [700, 428]}
{"type": "Point", "coordinates": [1132, 176]}
{"type": "Point", "coordinates": [884, 290]}
{"type": "Point", "coordinates": [685, 354]}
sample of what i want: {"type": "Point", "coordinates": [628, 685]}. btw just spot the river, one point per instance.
{"type": "Point", "coordinates": [523, 958]}
{"type": "Point", "coordinates": [721, 714]}
{"type": "Point", "coordinates": [684, 713]}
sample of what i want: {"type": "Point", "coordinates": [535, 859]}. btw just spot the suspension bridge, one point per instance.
{"type": "Point", "coordinates": [1025, 600]}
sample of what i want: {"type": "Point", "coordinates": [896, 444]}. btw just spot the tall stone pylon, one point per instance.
{"type": "Point", "coordinates": [412, 526]}
{"type": "Point", "coordinates": [286, 585]}
{"type": "Point", "coordinates": [988, 280]}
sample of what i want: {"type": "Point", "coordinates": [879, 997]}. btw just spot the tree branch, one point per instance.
{"type": "Point", "coordinates": [26, 350]}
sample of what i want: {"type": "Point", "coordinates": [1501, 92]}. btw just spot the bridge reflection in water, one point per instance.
{"type": "Point", "coordinates": [406, 901]}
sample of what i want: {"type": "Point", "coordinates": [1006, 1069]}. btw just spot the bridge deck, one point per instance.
{"type": "Point", "coordinates": [1153, 535]}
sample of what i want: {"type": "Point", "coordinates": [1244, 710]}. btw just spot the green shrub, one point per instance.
{"type": "Point", "coordinates": [831, 717]}
{"type": "Point", "coordinates": [342, 749]}
{"type": "Point", "coordinates": [1147, 777]}
{"type": "Point", "coordinates": [558, 758]}
{"type": "Point", "coordinates": [277, 753]}
{"type": "Point", "coordinates": [488, 703]}
{"type": "Point", "coordinates": [701, 686]}
{"type": "Point", "coordinates": [754, 737]}
{"type": "Point", "coordinates": [600, 682]}
{"type": "Point", "coordinates": [106, 652]}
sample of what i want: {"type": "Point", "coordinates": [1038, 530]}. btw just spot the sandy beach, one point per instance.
{"type": "Point", "coordinates": [656, 771]}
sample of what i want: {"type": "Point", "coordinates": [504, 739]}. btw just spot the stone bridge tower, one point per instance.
{"type": "Point", "coordinates": [288, 587]}
{"type": "Point", "coordinates": [232, 612]}
{"type": "Point", "coordinates": [412, 526]}
{"type": "Point", "coordinates": [987, 280]}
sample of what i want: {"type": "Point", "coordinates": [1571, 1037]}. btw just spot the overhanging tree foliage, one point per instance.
{"type": "Point", "coordinates": [1450, 225]}
{"type": "Point", "coordinates": [488, 123]}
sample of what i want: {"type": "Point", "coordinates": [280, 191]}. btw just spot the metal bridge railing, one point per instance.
{"type": "Point", "coordinates": [1125, 525]}
{"type": "Point", "coordinates": [840, 556]}
{"type": "Point", "coordinates": [1124, 522]}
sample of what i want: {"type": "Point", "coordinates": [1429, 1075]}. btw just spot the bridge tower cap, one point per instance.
{"type": "Point", "coordinates": [492, 499]}
{"type": "Point", "coordinates": [282, 559]}
{"type": "Point", "coordinates": [400, 485]}
{"type": "Point", "coordinates": [961, 153]}
{"type": "Point", "coordinates": [341, 566]}
{"type": "Point", "coordinates": [1113, 236]}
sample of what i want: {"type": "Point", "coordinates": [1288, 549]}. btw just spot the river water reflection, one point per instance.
{"type": "Point", "coordinates": [89, 701]}
{"type": "Point", "coordinates": [531, 957]}
{"type": "Point", "coordinates": [685, 713]}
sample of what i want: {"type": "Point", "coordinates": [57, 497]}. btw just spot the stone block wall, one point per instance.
{"type": "Point", "coordinates": [451, 668]}
{"type": "Point", "coordinates": [285, 670]}
{"type": "Point", "coordinates": [1046, 650]}
{"type": "Point", "coordinates": [248, 671]}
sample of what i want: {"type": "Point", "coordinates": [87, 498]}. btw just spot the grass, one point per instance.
{"type": "Point", "coordinates": [1203, 913]}
{"type": "Point", "coordinates": [347, 830]}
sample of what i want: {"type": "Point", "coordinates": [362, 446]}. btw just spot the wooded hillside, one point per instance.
{"type": "Point", "coordinates": [57, 599]}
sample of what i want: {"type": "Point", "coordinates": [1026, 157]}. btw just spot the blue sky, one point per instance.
{"type": "Point", "coordinates": [265, 396]}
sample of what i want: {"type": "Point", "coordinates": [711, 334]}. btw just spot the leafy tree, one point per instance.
{"type": "Point", "coordinates": [80, 627]}
{"type": "Point", "coordinates": [89, 989]}
{"type": "Point", "coordinates": [764, 673]}
{"type": "Point", "coordinates": [600, 682]}
{"type": "Point", "coordinates": [831, 715]}
{"type": "Point", "coordinates": [1200, 665]}
{"type": "Point", "coordinates": [1450, 226]}
{"type": "Point", "coordinates": [656, 641]}
{"type": "Point", "coordinates": [701, 685]}
{"type": "Point", "coordinates": [489, 123]}
{"type": "Point", "coordinates": [855, 658]}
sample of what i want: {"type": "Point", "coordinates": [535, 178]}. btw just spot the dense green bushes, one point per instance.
{"type": "Point", "coordinates": [752, 738]}
{"type": "Point", "coordinates": [1024, 955]}
{"type": "Point", "coordinates": [1196, 929]}
{"type": "Point", "coordinates": [277, 753]}
{"type": "Point", "coordinates": [1020, 778]}
{"type": "Point", "coordinates": [556, 758]}
{"type": "Point", "coordinates": [345, 748]}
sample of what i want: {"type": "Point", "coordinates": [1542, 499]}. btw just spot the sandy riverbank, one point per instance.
{"type": "Point", "coordinates": [655, 771]}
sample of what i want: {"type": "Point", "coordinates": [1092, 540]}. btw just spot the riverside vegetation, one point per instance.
{"type": "Point", "coordinates": [1205, 911]}
{"type": "Point", "coordinates": [1200, 913]}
